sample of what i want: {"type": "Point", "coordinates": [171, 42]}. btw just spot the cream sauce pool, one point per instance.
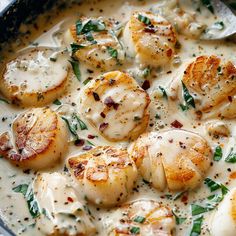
{"type": "Point", "coordinates": [49, 33]}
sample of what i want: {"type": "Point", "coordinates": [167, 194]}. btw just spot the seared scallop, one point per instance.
{"type": "Point", "coordinates": [212, 84]}
{"type": "Point", "coordinates": [224, 219]}
{"type": "Point", "coordinates": [175, 159]}
{"type": "Point", "coordinates": [144, 217]}
{"type": "Point", "coordinates": [105, 174]}
{"type": "Point", "coordinates": [151, 38]}
{"type": "Point", "coordinates": [95, 43]}
{"type": "Point", "coordinates": [40, 139]}
{"type": "Point", "coordinates": [63, 213]}
{"type": "Point", "coordinates": [35, 78]}
{"type": "Point", "coordinates": [116, 105]}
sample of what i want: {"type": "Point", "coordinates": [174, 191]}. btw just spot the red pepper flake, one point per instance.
{"type": "Point", "coordinates": [184, 199]}
{"type": "Point", "coordinates": [79, 142]}
{"type": "Point", "coordinates": [146, 85]}
{"type": "Point", "coordinates": [90, 136]}
{"type": "Point", "coordinates": [103, 126]}
{"type": "Point", "coordinates": [96, 96]}
{"type": "Point", "coordinates": [182, 145]}
{"type": "Point", "coordinates": [15, 157]}
{"type": "Point", "coordinates": [69, 199]}
{"type": "Point", "coordinates": [150, 29]}
{"type": "Point", "coordinates": [102, 114]}
{"type": "Point", "coordinates": [230, 99]}
{"type": "Point", "coordinates": [110, 103]}
{"type": "Point", "coordinates": [169, 52]}
{"type": "Point", "coordinates": [87, 148]}
{"type": "Point", "coordinates": [176, 124]}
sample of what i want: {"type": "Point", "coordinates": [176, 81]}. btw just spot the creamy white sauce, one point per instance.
{"type": "Point", "coordinates": [13, 207]}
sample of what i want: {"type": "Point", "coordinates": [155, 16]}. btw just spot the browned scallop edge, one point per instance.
{"type": "Point", "coordinates": [19, 159]}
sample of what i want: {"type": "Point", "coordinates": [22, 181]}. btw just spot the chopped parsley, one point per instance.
{"type": "Point", "coordinates": [139, 219]}
{"type": "Point", "coordinates": [86, 81]}
{"type": "Point", "coordinates": [72, 127]}
{"type": "Point", "coordinates": [188, 97]}
{"type": "Point", "coordinates": [4, 100]}
{"type": "Point", "coordinates": [29, 196]}
{"type": "Point", "coordinates": [196, 209]}
{"type": "Point", "coordinates": [79, 27]}
{"type": "Point", "coordinates": [179, 220]}
{"type": "Point", "coordinates": [89, 26]}
{"type": "Point", "coordinates": [144, 19]}
{"type": "Point", "coordinates": [183, 107]}
{"type": "Point", "coordinates": [90, 38]}
{"type": "Point", "coordinates": [164, 94]}
{"type": "Point", "coordinates": [214, 200]}
{"type": "Point", "coordinates": [57, 102]}
{"type": "Point", "coordinates": [22, 188]}
{"type": "Point", "coordinates": [82, 125]}
{"type": "Point", "coordinates": [135, 230]}
{"type": "Point", "coordinates": [90, 143]}
{"type": "Point", "coordinates": [224, 189]}
{"type": "Point", "coordinates": [45, 213]}
{"type": "Point", "coordinates": [73, 123]}
{"type": "Point", "coordinates": [32, 204]}
{"type": "Point", "coordinates": [157, 116]}
{"type": "Point", "coordinates": [213, 186]}
{"type": "Point", "coordinates": [178, 195]}
{"type": "Point", "coordinates": [112, 52]}
{"type": "Point", "coordinates": [196, 227]}
{"type": "Point", "coordinates": [218, 154]}
{"type": "Point", "coordinates": [76, 69]}
{"type": "Point", "coordinates": [231, 158]}
{"type": "Point", "coordinates": [75, 47]}
{"type": "Point", "coordinates": [219, 25]}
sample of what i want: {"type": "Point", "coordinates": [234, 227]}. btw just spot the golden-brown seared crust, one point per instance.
{"type": "Point", "coordinates": [101, 170]}
{"type": "Point", "coordinates": [233, 211]}
{"type": "Point", "coordinates": [5, 144]}
{"type": "Point", "coordinates": [211, 80]}
{"type": "Point", "coordinates": [182, 168]}
{"type": "Point", "coordinates": [154, 43]}
{"type": "Point", "coordinates": [99, 173]}
{"type": "Point", "coordinates": [18, 82]}
{"type": "Point", "coordinates": [34, 135]}
{"type": "Point", "coordinates": [157, 219]}
{"type": "Point", "coordinates": [38, 134]}
{"type": "Point", "coordinates": [96, 54]}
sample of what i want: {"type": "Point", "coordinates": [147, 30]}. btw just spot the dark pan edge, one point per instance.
{"type": "Point", "coordinates": [19, 11]}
